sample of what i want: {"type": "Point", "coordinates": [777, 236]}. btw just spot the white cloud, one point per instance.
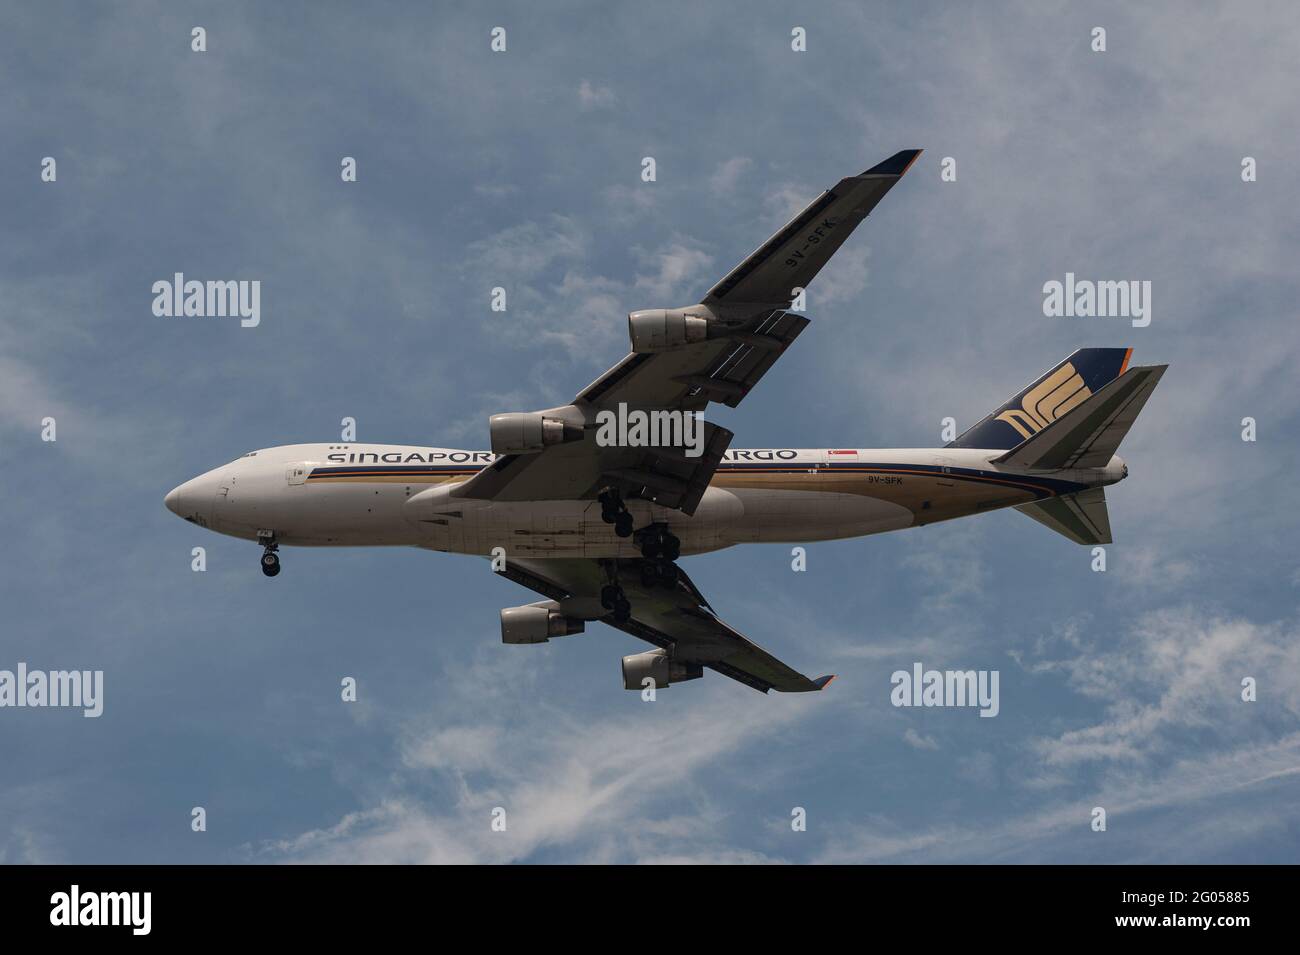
{"type": "Point", "coordinates": [1175, 672]}
{"type": "Point", "coordinates": [562, 781]}
{"type": "Point", "coordinates": [787, 200]}
{"type": "Point", "coordinates": [1151, 568]}
{"type": "Point", "coordinates": [955, 570]}
{"type": "Point", "coordinates": [495, 190]}
{"type": "Point", "coordinates": [844, 278]}
{"type": "Point", "coordinates": [1207, 787]}
{"type": "Point", "coordinates": [522, 252]}
{"type": "Point", "coordinates": [919, 741]}
{"type": "Point", "coordinates": [674, 270]}
{"type": "Point", "coordinates": [591, 96]}
{"type": "Point", "coordinates": [728, 173]}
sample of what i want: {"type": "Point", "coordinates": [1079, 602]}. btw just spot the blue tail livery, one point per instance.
{"type": "Point", "coordinates": [1048, 398]}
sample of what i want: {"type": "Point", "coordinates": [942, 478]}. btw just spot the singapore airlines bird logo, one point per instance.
{"type": "Point", "coordinates": [1045, 402]}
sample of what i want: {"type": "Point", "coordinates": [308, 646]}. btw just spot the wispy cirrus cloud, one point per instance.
{"type": "Point", "coordinates": [594, 791]}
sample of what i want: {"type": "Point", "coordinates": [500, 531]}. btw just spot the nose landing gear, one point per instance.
{"type": "Point", "coordinates": [270, 560]}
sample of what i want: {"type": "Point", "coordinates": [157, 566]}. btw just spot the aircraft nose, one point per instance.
{"type": "Point", "coordinates": [191, 500]}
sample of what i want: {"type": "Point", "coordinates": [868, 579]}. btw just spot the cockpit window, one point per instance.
{"type": "Point", "coordinates": [251, 454]}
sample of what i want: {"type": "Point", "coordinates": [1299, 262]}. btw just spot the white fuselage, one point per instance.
{"type": "Point", "coordinates": [393, 495]}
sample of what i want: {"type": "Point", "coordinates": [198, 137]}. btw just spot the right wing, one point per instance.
{"type": "Point", "coordinates": [676, 619]}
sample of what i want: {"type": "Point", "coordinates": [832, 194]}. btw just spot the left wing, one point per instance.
{"type": "Point", "coordinates": [746, 313]}
{"type": "Point", "coordinates": [682, 359]}
{"type": "Point", "coordinates": [676, 619]}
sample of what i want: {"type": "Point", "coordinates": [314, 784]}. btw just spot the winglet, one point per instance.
{"type": "Point", "coordinates": [822, 682]}
{"type": "Point", "coordinates": [895, 165]}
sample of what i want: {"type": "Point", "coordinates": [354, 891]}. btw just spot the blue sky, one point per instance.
{"type": "Point", "coordinates": [521, 169]}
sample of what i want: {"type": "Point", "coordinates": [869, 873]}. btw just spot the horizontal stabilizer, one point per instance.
{"type": "Point", "coordinates": [1082, 517]}
{"type": "Point", "coordinates": [1088, 435]}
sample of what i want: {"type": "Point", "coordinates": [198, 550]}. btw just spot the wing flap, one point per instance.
{"type": "Point", "coordinates": [669, 478]}
{"type": "Point", "coordinates": [741, 369]}
{"type": "Point", "coordinates": [722, 369]}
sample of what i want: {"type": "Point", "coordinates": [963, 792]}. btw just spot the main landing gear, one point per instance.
{"type": "Point", "coordinates": [660, 547]}
{"type": "Point", "coordinates": [270, 560]}
{"type": "Point", "coordinates": [613, 598]}
{"type": "Point", "coordinates": [614, 511]}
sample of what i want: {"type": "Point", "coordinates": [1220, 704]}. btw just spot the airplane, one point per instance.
{"type": "Point", "coordinates": [597, 527]}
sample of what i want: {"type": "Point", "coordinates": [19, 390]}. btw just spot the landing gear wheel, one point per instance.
{"type": "Point", "coordinates": [622, 610]}
{"type": "Point", "coordinates": [610, 594]}
{"type": "Point", "coordinates": [614, 511]}
{"type": "Point", "coordinates": [667, 573]}
{"type": "Point", "coordinates": [270, 562]}
{"type": "Point", "coordinates": [658, 543]}
{"type": "Point", "coordinates": [649, 574]}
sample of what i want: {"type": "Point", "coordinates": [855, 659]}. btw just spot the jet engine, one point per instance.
{"type": "Point", "coordinates": [532, 431]}
{"type": "Point", "coordinates": [663, 329]}
{"type": "Point", "coordinates": [536, 623]}
{"type": "Point", "coordinates": [659, 667]}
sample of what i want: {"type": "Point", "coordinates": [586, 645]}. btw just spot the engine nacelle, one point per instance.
{"type": "Point", "coordinates": [531, 431]}
{"type": "Point", "coordinates": [658, 667]}
{"type": "Point", "coordinates": [663, 329]}
{"type": "Point", "coordinates": [536, 623]}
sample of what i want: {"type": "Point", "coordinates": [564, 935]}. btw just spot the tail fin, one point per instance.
{"type": "Point", "coordinates": [1048, 398]}
{"type": "Point", "coordinates": [1090, 433]}
{"type": "Point", "coordinates": [1086, 436]}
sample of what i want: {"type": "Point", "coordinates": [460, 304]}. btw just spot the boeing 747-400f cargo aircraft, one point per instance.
{"type": "Point", "coordinates": [596, 526]}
